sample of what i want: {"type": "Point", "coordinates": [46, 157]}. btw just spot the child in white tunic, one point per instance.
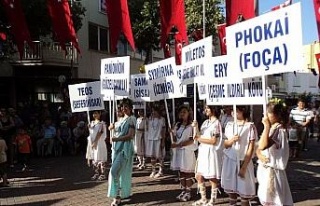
{"type": "Point", "coordinates": [273, 154]}
{"type": "Point", "coordinates": [209, 160]}
{"type": "Point", "coordinates": [183, 159]}
{"type": "Point", "coordinates": [155, 143]}
{"type": "Point", "coordinates": [97, 148]}
{"type": "Point", "coordinates": [237, 170]}
{"type": "Point", "coordinates": [139, 142]}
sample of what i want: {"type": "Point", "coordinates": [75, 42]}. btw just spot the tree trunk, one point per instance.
{"type": "Point", "coordinates": [149, 58]}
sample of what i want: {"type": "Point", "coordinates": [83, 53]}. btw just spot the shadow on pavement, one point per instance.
{"type": "Point", "coordinates": [304, 174]}
{"type": "Point", "coordinates": [40, 203]}
{"type": "Point", "coordinates": [50, 175]}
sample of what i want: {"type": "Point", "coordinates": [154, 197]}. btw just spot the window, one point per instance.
{"type": "Point", "coordinates": [102, 6]}
{"type": "Point", "coordinates": [98, 38]}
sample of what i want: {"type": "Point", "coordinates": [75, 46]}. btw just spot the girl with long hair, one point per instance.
{"type": "Point", "coordinates": [273, 155]}
{"type": "Point", "coordinates": [237, 170]}
{"type": "Point", "coordinates": [97, 148]}
{"type": "Point", "coordinates": [156, 141]}
{"type": "Point", "coordinates": [183, 159]}
{"type": "Point", "coordinates": [209, 154]}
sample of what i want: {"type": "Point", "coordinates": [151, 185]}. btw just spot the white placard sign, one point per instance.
{"type": "Point", "coordinates": [163, 80]}
{"type": "Point", "coordinates": [202, 91]}
{"type": "Point", "coordinates": [195, 60]}
{"type": "Point", "coordinates": [138, 104]}
{"type": "Point", "coordinates": [139, 87]}
{"type": "Point", "coordinates": [86, 97]}
{"type": "Point", "coordinates": [115, 76]}
{"type": "Point", "coordinates": [250, 91]}
{"type": "Point", "coordinates": [219, 72]}
{"type": "Point", "coordinates": [268, 44]}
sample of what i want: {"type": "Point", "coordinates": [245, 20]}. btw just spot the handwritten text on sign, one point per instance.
{"type": "Point", "coordinates": [162, 79]}
{"type": "Point", "coordinates": [268, 44]}
{"type": "Point", "coordinates": [139, 87]}
{"type": "Point", "coordinates": [250, 91]}
{"type": "Point", "coordinates": [195, 60]}
{"type": "Point", "coordinates": [115, 74]}
{"type": "Point", "coordinates": [86, 97]}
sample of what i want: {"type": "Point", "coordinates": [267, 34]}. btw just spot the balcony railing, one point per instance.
{"type": "Point", "coordinates": [47, 53]}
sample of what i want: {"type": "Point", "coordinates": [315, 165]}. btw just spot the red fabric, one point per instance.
{"type": "Point", "coordinates": [318, 62]}
{"type": "Point", "coordinates": [172, 14]}
{"type": "Point", "coordinates": [235, 7]}
{"type": "Point", "coordinates": [197, 34]}
{"type": "Point", "coordinates": [178, 41]}
{"type": "Point", "coordinates": [18, 23]}
{"type": "Point", "coordinates": [316, 4]}
{"type": "Point", "coordinates": [3, 36]}
{"type": "Point", "coordinates": [222, 38]}
{"type": "Point", "coordinates": [62, 23]}
{"type": "Point", "coordinates": [119, 21]}
{"type": "Point", "coordinates": [286, 3]}
{"type": "Point", "coordinates": [167, 51]}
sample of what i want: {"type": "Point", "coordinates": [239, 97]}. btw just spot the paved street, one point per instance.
{"type": "Point", "coordinates": [66, 181]}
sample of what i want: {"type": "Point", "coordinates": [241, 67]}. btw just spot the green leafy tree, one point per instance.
{"type": "Point", "coordinates": [145, 17]}
{"type": "Point", "coordinates": [213, 15]}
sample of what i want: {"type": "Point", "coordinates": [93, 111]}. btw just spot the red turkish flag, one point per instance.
{"type": "Point", "coordinates": [178, 41]}
{"type": "Point", "coordinates": [197, 34]}
{"type": "Point", "coordinates": [18, 23]}
{"type": "Point", "coordinates": [3, 36]}
{"type": "Point", "coordinates": [172, 15]}
{"type": "Point", "coordinates": [62, 23]}
{"type": "Point", "coordinates": [286, 3]}
{"type": "Point", "coordinates": [234, 8]}
{"type": "Point", "coordinates": [318, 62]}
{"type": "Point", "coordinates": [316, 4]}
{"type": "Point", "coordinates": [119, 21]}
{"type": "Point", "coordinates": [222, 38]}
{"type": "Point", "coordinates": [167, 51]}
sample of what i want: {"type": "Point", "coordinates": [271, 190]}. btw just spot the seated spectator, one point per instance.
{"type": "Point", "coordinates": [3, 162]}
{"type": "Point", "coordinates": [80, 134]}
{"type": "Point", "coordinates": [65, 138]}
{"type": "Point", "coordinates": [24, 147]}
{"type": "Point", "coordinates": [48, 134]}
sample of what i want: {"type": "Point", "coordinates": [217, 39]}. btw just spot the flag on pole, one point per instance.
{"type": "Point", "coordinates": [18, 24]}
{"type": "Point", "coordinates": [172, 15]}
{"type": "Point", "coordinates": [119, 21]}
{"type": "Point", "coordinates": [197, 34]}
{"type": "Point", "coordinates": [178, 41]}
{"type": "Point", "coordinates": [222, 38]}
{"type": "Point", "coordinates": [167, 51]}
{"type": "Point", "coordinates": [318, 63]}
{"type": "Point", "coordinates": [286, 3]}
{"type": "Point", "coordinates": [236, 9]}
{"type": "Point", "coordinates": [316, 4]}
{"type": "Point", "coordinates": [59, 11]}
{"type": "Point", "coordinates": [3, 36]}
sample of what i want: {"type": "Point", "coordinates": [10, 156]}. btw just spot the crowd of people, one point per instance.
{"type": "Point", "coordinates": [212, 148]}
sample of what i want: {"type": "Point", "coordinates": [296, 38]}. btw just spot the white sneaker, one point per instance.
{"type": "Point", "coordinates": [142, 167]}
{"type": "Point", "coordinates": [152, 175]}
{"type": "Point", "coordinates": [159, 174]}
{"type": "Point", "coordinates": [180, 195]}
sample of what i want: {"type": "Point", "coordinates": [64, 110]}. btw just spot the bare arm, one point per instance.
{"type": "Point", "coordinates": [264, 140]}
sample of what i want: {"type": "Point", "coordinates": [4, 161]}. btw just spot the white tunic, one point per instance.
{"type": "Point", "coordinates": [139, 140]}
{"type": "Point", "coordinates": [230, 180]}
{"type": "Point", "coordinates": [209, 160]}
{"type": "Point", "coordinates": [273, 184]}
{"type": "Point", "coordinates": [183, 158]}
{"type": "Point", "coordinates": [153, 143]}
{"type": "Point", "coordinates": [100, 153]}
